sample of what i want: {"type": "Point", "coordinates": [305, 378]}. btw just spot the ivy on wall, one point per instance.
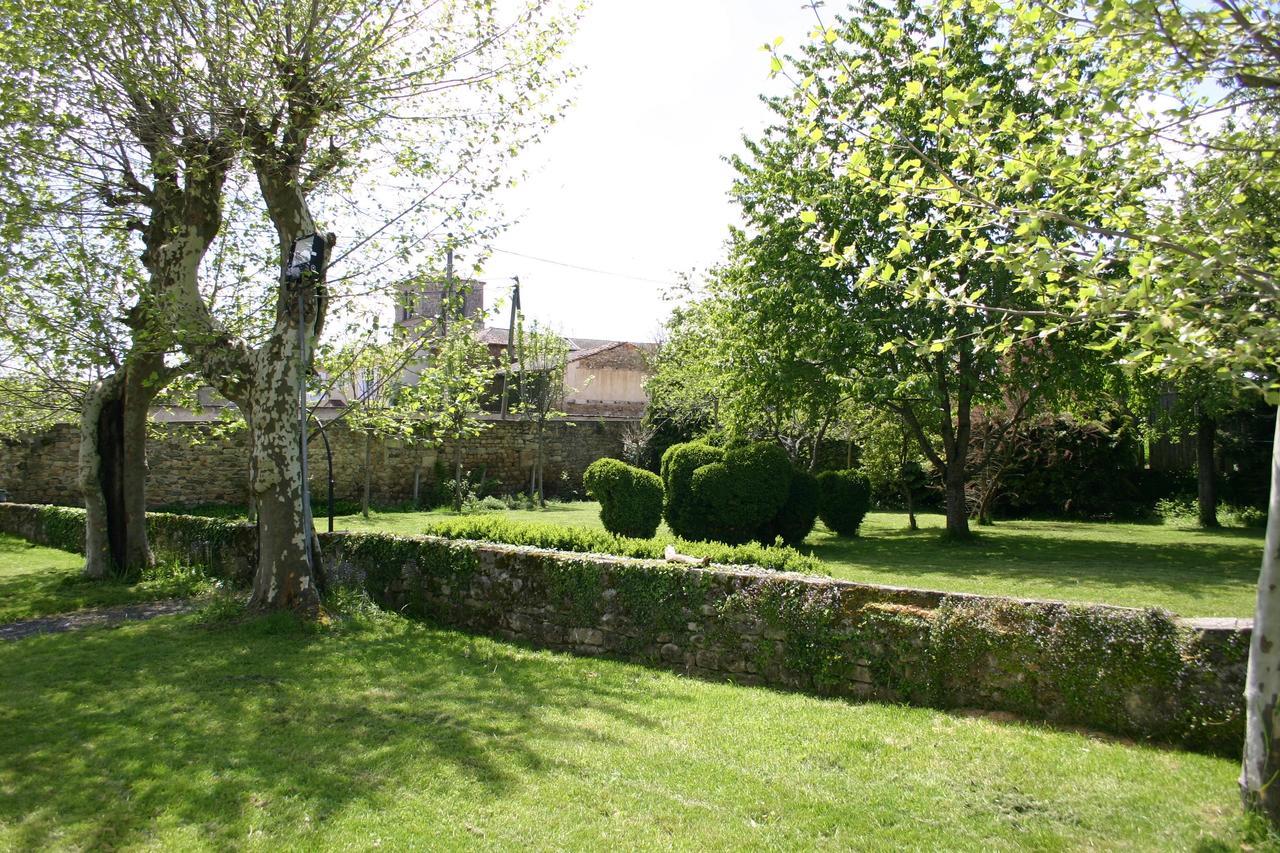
{"type": "Point", "coordinates": [1138, 673]}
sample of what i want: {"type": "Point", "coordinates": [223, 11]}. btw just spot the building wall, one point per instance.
{"type": "Point", "coordinates": [604, 384]}
{"type": "Point", "coordinates": [192, 463]}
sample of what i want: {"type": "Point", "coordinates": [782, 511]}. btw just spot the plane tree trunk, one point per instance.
{"type": "Point", "coordinates": [113, 467]}
{"type": "Point", "coordinates": [267, 381]}
{"type": "Point", "coordinates": [1261, 765]}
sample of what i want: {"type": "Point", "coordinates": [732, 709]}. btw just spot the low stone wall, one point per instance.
{"type": "Point", "coordinates": [1131, 672]}
{"type": "Point", "coordinates": [190, 464]}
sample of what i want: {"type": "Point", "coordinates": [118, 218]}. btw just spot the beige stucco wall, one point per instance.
{"type": "Point", "coordinates": [604, 383]}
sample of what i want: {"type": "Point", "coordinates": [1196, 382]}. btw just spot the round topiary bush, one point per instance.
{"type": "Point", "coordinates": [630, 498]}
{"type": "Point", "coordinates": [796, 518]}
{"type": "Point", "coordinates": [843, 500]}
{"type": "Point", "coordinates": [678, 464]}
{"type": "Point", "coordinates": [734, 499]}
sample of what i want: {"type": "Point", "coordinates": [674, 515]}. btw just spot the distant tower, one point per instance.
{"type": "Point", "coordinates": [419, 306]}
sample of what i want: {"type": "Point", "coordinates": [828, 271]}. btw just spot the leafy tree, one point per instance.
{"type": "Point", "coordinates": [850, 318]}
{"type": "Point", "coordinates": [1098, 236]}
{"type": "Point", "coordinates": [173, 103]}
{"type": "Point", "coordinates": [540, 378]}
{"type": "Point", "coordinates": [378, 404]}
{"type": "Point", "coordinates": [451, 391]}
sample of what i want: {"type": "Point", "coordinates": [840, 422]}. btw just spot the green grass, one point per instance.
{"type": "Point", "coordinates": [171, 734]}
{"type": "Point", "coordinates": [1188, 571]}
{"type": "Point", "coordinates": [37, 581]}
{"type": "Point", "coordinates": [574, 514]}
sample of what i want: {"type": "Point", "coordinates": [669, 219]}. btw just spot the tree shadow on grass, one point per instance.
{"type": "Point", "coordinates": [222, 729]}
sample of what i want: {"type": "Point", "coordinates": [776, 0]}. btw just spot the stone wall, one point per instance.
{"type": "Point", "coordinates": [190, 464]}
{"type": "Point", "coordinates": [1131, 672]}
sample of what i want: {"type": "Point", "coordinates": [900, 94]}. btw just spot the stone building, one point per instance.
{"type": "Point", "coordinates": [603, 377]}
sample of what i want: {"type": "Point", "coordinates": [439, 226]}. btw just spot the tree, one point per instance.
{"type": "Point", "coordinates": [1099, 236]}
{"type": "Point", "coordinates": [378, 404]}
{"type": "Point", "coordinates": [851, 316]}
{"type": "Point", "coordinates": [82, 319]}
{"type": "Point", "coordinates": [179, 98]}
{"type": "Point", "coordinates": [451, 391]}
{"type": "Point", "coordinates": [540, 379]}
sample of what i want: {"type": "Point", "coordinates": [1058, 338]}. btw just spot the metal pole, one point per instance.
{"type": "Point", "coordinates": [511, 343]}
{"type": "Point", "coordinates": [328, 455]}
{"type": "Point", "coordinates": [307, 524]}
{"type": "Point", "coordinates": [448, 289]}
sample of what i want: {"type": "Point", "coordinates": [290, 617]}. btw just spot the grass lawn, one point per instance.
{"type": "Point", "coordinates": [575, 514]}
{"type": "Point", "coordinates": [174, 734]}
{"type": "Point", "coordinates": [1189, 571]}
{"type": "Point", "coordinates": [37, 581]}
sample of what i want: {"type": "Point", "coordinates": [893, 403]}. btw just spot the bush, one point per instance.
{"type": "Point", "coordinates": [796, 518]}
{"type": "Point", "coordinates": [738, 498]}
{"type": "Point", "coordinates": [678, 464]}
{"type": "Point", "coordinates": [843, 500]}
{"type": "Point", "coordinates": [630, 498]}
{"type": "Point", "coordinates": [496, 528]}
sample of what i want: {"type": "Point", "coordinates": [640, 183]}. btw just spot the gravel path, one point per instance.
{"type": "Point", "coordinates": [93, 618]}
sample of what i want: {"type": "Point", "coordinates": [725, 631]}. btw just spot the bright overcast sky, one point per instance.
{"type": "Point", "coordinates": [632, 180]}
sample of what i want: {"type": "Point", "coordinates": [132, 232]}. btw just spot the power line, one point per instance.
{"type": "Point", "coordinates": [588, 269]}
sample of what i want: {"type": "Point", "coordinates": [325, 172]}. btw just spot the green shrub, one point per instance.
{"type": "Point", "coordinates": [733, 495]}
{"type": "Point", "coordinates": [736, 499]}
{"type": "Point", "coordinates": [678, 464]}
{"type": "Point", "coordinates": [630, 498]}
{"type": "Point", "coordinates": [496, 528]}
{"type": "Point", "coordinates": [843, 500]}
{"type": "Point", "coordinates": [796, 518]}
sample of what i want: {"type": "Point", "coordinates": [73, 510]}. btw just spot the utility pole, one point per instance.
{"type": "Point", "coordinates": [446, 298]}
{"type": "Point", "coordinates": [511, 342]}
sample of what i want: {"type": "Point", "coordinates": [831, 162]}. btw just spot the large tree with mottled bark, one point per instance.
{"type": "Point", "coordinates": [305, 100]}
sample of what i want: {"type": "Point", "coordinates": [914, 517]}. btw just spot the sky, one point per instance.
{"type": "Point", "coordinates": [633, 181]}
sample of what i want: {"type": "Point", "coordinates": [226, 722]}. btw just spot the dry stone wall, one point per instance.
{"type": "Point", "coordinates": [1132, 672]}
{"type": "Point", "coordinates": [191, 464]}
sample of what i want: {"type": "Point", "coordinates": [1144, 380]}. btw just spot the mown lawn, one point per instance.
{"type": "Point", "coordinates": [37, 581]}
{"type": "Point", "coordinates": [176, 734]}
{"type": "Point", "coordinates": [1189, 571]}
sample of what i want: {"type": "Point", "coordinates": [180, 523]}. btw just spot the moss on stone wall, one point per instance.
{"type": "Point", "coordinates": [1131, 672]}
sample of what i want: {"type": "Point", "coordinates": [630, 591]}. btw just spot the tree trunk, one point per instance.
{"type": "Point", "coordinates": [113, 468]}
{"type": "Point", "coordinates": [145, 376]}
{"type": "Point", "coordinates": [457, 476]}
{"type": "Point", "coordinates": [542, 496]}
{"type": "Point", "coordinates": [287, 548]}
{"type": "Point", "coordinates": [957, 510]}
{"type": "Point", "coordinates": [368, 474]}
{"type": "Point", "coordinates": [911, 512]}
{"type": "Point", "coordinates": [417, 478]}
{"type": "Point", "coordinates": [1206, 471]}
{"type": "Point", "coordinates": [1261, 765]}
{"type": "Point", "coordinates": [101, 457]}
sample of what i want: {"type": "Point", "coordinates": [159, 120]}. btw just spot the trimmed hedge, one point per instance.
{"type": "Point", "coordinates": [679, 463]}
{"type": "Point", "coordinates": [630, 498]}
{"type": "Point", "coordinates": [495, 528]}
{"type": "Point", "coordinates": [844, 497]}
{"type": "Point", "coordinates": [224, 549]}
{"type": "Point", "coordinates": [796, 518]}
{"type": "Point", "coordinates": [738, 497]}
